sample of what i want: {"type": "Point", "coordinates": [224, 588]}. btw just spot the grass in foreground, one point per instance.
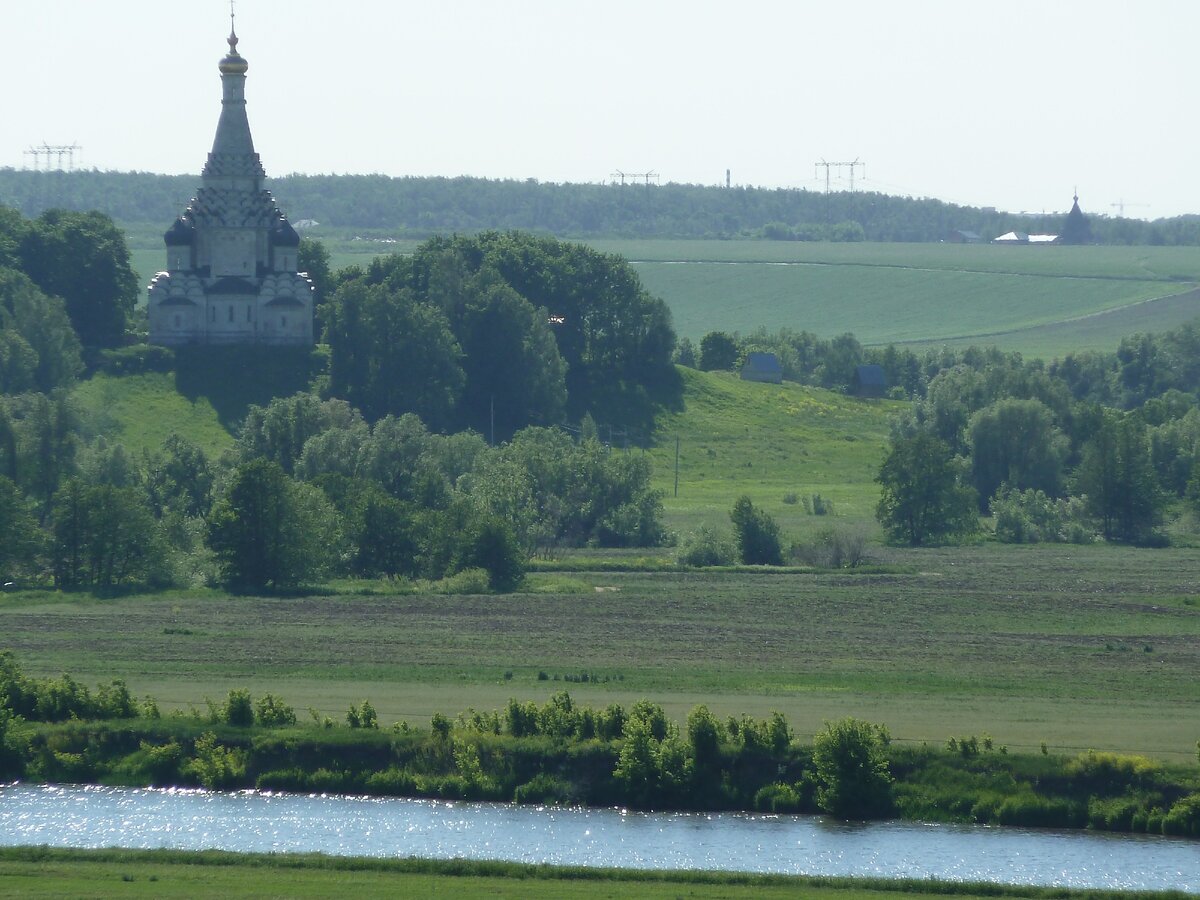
{"type": "Point", "coordinates": [40, 872]}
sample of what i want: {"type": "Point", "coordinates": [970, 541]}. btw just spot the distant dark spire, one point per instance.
{"type": "Point", "coordinates": [1077, 229]}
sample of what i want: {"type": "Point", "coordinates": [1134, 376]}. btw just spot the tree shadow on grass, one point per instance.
{"type": "Point", "coordinates": [233, 379]}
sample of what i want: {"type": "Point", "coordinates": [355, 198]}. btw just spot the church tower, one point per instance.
{"type": "Point", "coordinates": [231, 275]}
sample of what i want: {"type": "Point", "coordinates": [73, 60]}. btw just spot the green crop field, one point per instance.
{"type": "Point", "coordinates": [1041, 301]}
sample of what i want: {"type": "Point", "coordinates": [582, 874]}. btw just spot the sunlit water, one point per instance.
{"type": "Point", "coordinates": [362, 826]}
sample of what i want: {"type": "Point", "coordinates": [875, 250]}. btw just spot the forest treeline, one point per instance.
{"type": "Point", "coordinates": [423, 206]}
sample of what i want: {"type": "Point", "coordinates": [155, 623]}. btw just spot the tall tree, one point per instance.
{"type": "Point", "coordinates": [922, 498]}
{"type": "Point", "coordinates": [1117, 476]}
{"type": "Point", "coordinates": [23, 540]}
{"type": "Point", "coordinates": [1015, 442]}
{"type": "Point", "coordinates": [83, 258]}
{"type": "Point", "coordinates": [269, 531]}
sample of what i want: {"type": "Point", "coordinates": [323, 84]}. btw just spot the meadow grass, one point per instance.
{"type": "Point", "coordinates": [139, 411]}
{"type": "Point", "coordinates": [768, 441]}
{"type": "Point", "coordinates": [41, 872]}
{"type": "Point", "coordinates": [1094, 647]}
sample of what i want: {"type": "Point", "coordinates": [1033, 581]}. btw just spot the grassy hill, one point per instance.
{"type": "Point", "coordinates": [768, 441]}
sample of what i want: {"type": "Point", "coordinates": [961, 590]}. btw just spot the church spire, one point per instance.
{"type": "Point", "coordinates": [233, 147]}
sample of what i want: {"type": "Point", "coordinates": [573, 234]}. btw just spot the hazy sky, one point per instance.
{"type": "Point", "coordinates": [1003, 103]}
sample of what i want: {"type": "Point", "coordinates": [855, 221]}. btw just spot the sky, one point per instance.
{"type": "Point", "coordinates": [1007, 103]}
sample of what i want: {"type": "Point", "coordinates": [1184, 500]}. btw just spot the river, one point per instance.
{"type": "Point", "coordinates": [253, 821]}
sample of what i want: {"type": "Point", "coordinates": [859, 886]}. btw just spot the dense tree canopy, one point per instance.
{"type": "Point", "coordinates": [38, 347]}
{"type": "Point", "coordinates": [504, 330]}
{"type": "Point", "coordinates": [83, 258]}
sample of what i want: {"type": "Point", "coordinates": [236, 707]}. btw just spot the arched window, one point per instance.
{"type": "Point", "coordinates": [178, 320]}
{"type": "Point", "coordinates": [230, 312]}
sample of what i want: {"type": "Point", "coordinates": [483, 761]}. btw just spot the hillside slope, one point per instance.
{"type": "Point", "coordinates": [768, 441]}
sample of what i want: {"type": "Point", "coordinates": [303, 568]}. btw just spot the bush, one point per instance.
{"type": "Point", "coordinates": [545, 788]}
{"type": "Point", "coordinates": [833, 548]}
{"type": "Point", "coordinates": [816, 505]}
{"type": "Point", "coordinates": [271, 712]}
{"type": "Point", "coordinates": [1184, 817]}
{"type": "Point", "coordinates": [1030, 517]}
{"type": "Point", "coordinates": [853, 780]}
{"type": "Point", "coordinates": [362, 716]}
{"type": "Point", "coordinates": [706, 548]}
{"type": "Point", "coordinates": [137, 359]}
{"type": "Point", "coordinates": [215, 766]}
{"type": "Point", "coordinates": [778, 798]}
{"type": "Point", "coordinates": [756, 533]}
{"type": "Point", "coordinates": [238, 709]}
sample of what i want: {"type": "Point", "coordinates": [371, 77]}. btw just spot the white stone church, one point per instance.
{"type": "Point", "coordinates": [231, 273]}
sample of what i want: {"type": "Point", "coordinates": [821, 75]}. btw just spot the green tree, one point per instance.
{"type": "Point", "coordinates": [269, 531]}
{"type": "Point", "coordinates": [756, 533]}
{"type": "Point", "coordinates": [923, 498]}
{"type": "Point", "coordinates": [391, 353]}
{"type": "Point", "coordinates": [384, 535]}
{"type": "Point", "coordinates": [852, 774]}
{"type": "Point", "coordinates": [1015, 442]}
{"type": "Point", "coordinates": [1117, 476]}
{"type": "Point", "coordinates": [23, 540]}
{"type": "Point", "coordinates": [280, 430]}
{"type": "Point", "coordinates": [47, 442]}
{"type": "Point", "coordinates": [513, 372]}
{"type": "Point", "coordinates": [718, 351]}
{"type": "Point", "coordinates": [39, 350]}
{"type": "Point", "coordinates": [179, 477]}
{"type": "Point", "coordinates": [104, 536]}
{"type": "Point", "coordinates": [83, 258]}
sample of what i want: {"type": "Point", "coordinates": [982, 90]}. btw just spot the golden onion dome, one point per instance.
{"type": "Point", "coordinates": [233, 64]}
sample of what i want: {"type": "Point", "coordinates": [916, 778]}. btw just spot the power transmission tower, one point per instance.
{"type": "Point", "coordinates": [56, 150]}
{"type": "Point", "coordinates": [839, 166]}
{"type": "Point", "coordinates": [634, 176]}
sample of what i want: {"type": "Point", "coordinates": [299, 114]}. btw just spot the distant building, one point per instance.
{"type": "Point", "coordinates": [1020, 237]}
{"type": "Point", "coordinates": [231, 274]}
{"type": "Point", "coordinates": [762, 367]}
{"type": "Point", "coordinates": [962, 237]}
{"type": "Point", "coordinates": [869, 381]}
{"type": "Point", "coordinates": [1077, 229]}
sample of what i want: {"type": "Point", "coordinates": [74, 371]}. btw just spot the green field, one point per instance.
{"type": "Point", "coordinates": [158, 873]}
{"type": "Point", "coordinates": [1095, 647]}
{"type": "Point", "coordinates": [1041, 301]}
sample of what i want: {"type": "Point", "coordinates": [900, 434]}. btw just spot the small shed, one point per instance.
{"type": "Point", "coordinates": [762, 367]}
{"type": "Point", "coordinates": [869, 381]}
